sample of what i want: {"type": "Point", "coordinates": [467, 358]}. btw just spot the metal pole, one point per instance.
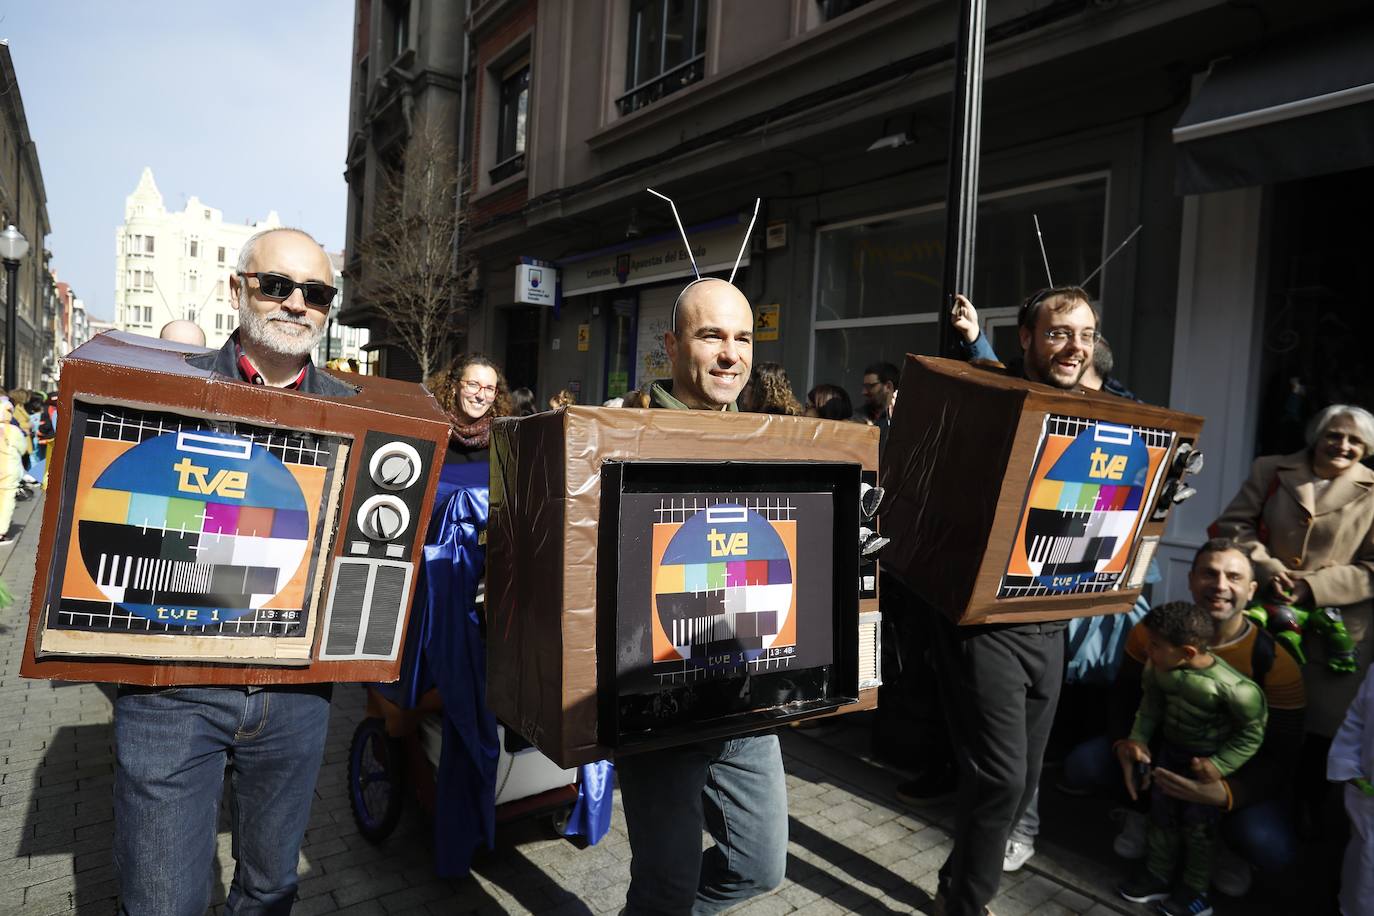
{"type": "Point", "coordinates": [965, 136]}
{"type": "Point", "coordinates": [11, 326]}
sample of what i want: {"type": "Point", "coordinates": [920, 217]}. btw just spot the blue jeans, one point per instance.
{"type": "Point", "coordinates": [171, 750]}
{"type": "Point", "coordinates": [735, 789]}
{"type": "Point", "coordinates": [1261, 834]}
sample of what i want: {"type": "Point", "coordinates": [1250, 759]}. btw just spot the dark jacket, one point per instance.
{"type": "Point", "coordinates": [224, 362]}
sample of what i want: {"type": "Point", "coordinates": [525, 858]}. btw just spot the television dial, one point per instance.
{"type": "Point", "coordinates": [383, 518]}
{"type": "Point", "coordinates": [395, 466]}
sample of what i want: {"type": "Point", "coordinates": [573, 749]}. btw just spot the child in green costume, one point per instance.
{"type": "Point", "coordinates": [1210, 719]}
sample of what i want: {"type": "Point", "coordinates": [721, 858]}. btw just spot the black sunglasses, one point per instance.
{"type": "Point", "coordinates": [275, 286]}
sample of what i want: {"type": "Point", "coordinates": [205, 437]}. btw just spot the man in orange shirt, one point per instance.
{"type": "Point", "coordinates": [1257, 825]}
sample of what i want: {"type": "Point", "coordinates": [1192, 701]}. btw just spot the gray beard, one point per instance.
{"type": "Point", "coordinates": [264, 335]}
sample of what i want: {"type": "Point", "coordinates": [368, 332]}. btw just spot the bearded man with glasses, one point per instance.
{"type": "Point", "coordinates": [1001, 682]}
{"type": "Point", "coordinates": [172, 746]}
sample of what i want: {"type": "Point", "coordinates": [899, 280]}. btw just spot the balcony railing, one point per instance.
{"type": "Point", "coordinates": [684, 74]}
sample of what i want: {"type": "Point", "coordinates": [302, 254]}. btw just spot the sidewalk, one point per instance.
{"type": "Point", "coordinates": [853, 847]}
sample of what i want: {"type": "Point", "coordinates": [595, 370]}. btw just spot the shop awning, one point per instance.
{"type": "Point", "coordinates": [1285, 112]}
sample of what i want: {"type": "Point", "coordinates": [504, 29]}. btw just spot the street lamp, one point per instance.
{"type": "Point", "coordinates": [13, 247]}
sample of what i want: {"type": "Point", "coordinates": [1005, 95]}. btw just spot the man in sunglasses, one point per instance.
{"type": "Point", "coordinates": [172, 746]}
{"type": "Point", "coordinates": [1001, 683]}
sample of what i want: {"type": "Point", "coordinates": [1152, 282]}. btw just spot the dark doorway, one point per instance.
{"type": "Point", "coordinates": [1319, 313]}
{"type": "Point", "coordinates": [522, 347]}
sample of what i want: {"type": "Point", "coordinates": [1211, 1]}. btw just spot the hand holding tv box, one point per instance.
{"type": "Point", "coordinates": [199, 530]}
{"type": "Point", "coordinates": [1010, 501]}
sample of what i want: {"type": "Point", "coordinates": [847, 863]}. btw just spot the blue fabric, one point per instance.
{"type": "Point", "coordinates": [445, 649]}
{"type": "Point", "coordinates": [449, 650]}
{"type": "Point", "coordinates": [591, 813]}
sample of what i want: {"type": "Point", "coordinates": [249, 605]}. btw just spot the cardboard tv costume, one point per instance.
{"type": "Point", "coordinates": [661, 576]}
{"type": "Point", "coordinates": [206, 531]}
{"type": "Point", "coordinates": [1010, 501]}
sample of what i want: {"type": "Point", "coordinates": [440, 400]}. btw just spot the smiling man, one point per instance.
{"type": "Point", "coordinates": [733, 787]}
{"type": "Point", "coordinates": [1004, 680]}
{"type": "Point", "coordinates": [172, 746]}
{"type": "Point", "coordinates": [1257, 824]}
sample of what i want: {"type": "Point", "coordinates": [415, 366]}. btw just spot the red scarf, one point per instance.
{"type": "Point", "coordinates": [470, 435]}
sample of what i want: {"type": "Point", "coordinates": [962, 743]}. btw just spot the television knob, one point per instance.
{"type": "Point", "coordinates": [383, 518]}
{"type": "Point", "coordinates": [395, 466]}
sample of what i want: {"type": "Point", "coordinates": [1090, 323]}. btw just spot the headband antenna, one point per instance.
{"type": "Point", "coordinates": [1044, 257]}
{"type": "Point", "coordinates": [1114, 253]}
{"type": "Point", "coordinates": [745, 244]}
{"type": "Point", "coordinates": [682, 229]}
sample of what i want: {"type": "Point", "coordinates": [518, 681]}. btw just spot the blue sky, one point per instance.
{"type": "Point", "coordinates": [242, 104]}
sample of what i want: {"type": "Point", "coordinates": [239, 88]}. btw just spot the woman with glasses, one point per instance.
{"type": "Point", "coordinates": [472, 392]}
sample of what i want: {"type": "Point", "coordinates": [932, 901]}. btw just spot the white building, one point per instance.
{"type": "Point", "coordinates": [177, 265]}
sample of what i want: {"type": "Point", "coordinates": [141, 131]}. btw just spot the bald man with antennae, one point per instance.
{"type": "Point", "coordinates": [734, 788]}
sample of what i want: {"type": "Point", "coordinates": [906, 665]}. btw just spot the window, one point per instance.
{"type": "Point", "coordinates": [147, 244]}
{"type": "Point", "coordinates": [511, 129]}
{"type": "Point", "coordinates": [190, 313]}
{"type": "Point", "coordinates": [831, 9]}
{"type": "Point", "coordinates": [207, 214]}
{"type": "Point", "coordinates": [191, 283]}
{"type": "Point", "coordinates": [193, 247]}
{"type": "Point", "coordinates": [219, 288]}
{"type": "Point", "coordinates": [220, 256]}
{"type": "Point", "coordinates": [147, 314]}
{"type": "Point", "coordinates": [399, 11]}
{"type": "Point", "coordinates": [877, 293]}
{"type": "Point", "coordinates": [219, 322]}
{"type": "Point", "coordinates": [667, 50]}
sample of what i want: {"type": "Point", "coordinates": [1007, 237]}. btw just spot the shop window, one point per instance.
{"type": "Point", "coordinates": [666, 48]}
{"type": "Point", "coordinates": [513, 122]}
{"type": "Point", "coordinates": [398, 11]}
{"type": "Point", "coordinates": [1318, 308]}
{"type": "Point", "coordinates": [878, 279]}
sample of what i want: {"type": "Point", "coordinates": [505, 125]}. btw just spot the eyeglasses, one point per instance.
{"type": "Point", "coordinates": [471, 387]}
{"type": "Point", "coordinates": [1064, 335]}
{"type": "Point", "coordinates": [275, 286]}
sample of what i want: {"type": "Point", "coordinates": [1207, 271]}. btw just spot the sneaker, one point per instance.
{"type": "Point", "coordinates": [1143, 887]}
{"type": "Point", "coordinates": [1016, 855]}
{"type": "Point", "coordinates": [1231, 875]}
{"type": "Point", "coordinates": [1130, 842]}
{"type": "Point", "coordinates": [1186, 903]}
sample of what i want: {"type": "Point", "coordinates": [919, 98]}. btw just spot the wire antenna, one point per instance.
{"type": "Point", "coordinates": [1114, 253]}
{"type": "Point", "coordinates": [745, 244]}
{"type": "Point", "coordinates": [1044, 257]}
{"type": "Point", "coordinates": [682, 229]}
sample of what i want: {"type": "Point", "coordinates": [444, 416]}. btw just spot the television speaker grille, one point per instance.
{"type": "Point", "coordinates": [366, 609]}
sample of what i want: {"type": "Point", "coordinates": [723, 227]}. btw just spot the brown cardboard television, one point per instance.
{"type": "Point", "coordinates": [199, 530]}
{"type": "Point", "coordinates": [1010, 501]}
{"type": "Point", "coordinates": [552, 556]}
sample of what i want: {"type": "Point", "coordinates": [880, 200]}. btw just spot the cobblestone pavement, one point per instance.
{"type": "Point", "coordinates": [852, 848]}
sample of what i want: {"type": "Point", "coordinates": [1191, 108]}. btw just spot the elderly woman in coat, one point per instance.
{"type": "Point", "coordinates": [1307, 520]}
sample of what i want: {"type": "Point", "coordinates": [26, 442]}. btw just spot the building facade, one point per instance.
{"type": "Point", "coordinates": [1240, 299]}
{"type": "Point", "coordinates": [177, 264]}
{"type": "Point", "coordinates": [24, 204]}
{"type": "Point", "coordinates": [341, 341]}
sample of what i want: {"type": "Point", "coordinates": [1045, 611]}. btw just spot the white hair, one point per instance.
{"type": "Point", "coordinates": [251, 246]}
{"type": "Point", "coordinates": [1363, 420]}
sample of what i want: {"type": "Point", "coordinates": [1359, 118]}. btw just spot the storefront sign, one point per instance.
{"type": "Point", "coordinates": [714, 250]}
{"type": "Point", "coordinates": [535, 285]}
{"type": "Point", "coordinates": [766, 321]}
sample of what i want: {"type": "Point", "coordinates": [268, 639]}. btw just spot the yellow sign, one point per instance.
{"type": "Point", "coordinates": [584, 337]}
{"type": "Point", "coordinates": [766, 322]}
